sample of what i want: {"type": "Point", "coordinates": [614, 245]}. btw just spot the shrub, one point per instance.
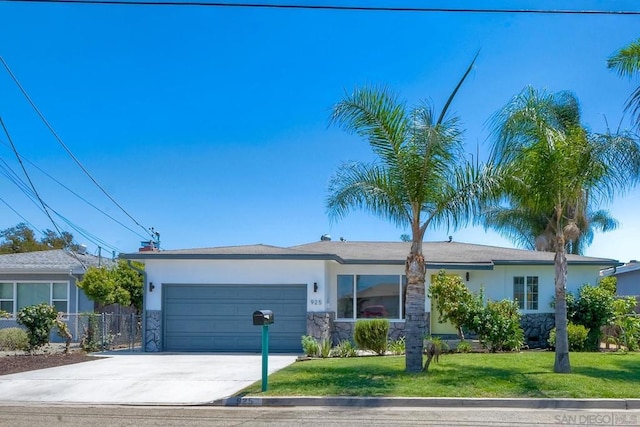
{"type": "Point", "coordinates": [498, 326]}
{"type": "Point", "coordinates": [628, 322]}
{"type": "Point", "coordinates": [310, 346]}
{"type": "Point", "coordinates": [91, 336]}
{"type": "Point", "coordinates": [577, 337]}
{"type": "Point", "coordinates": [463, 347]}
{"type": "Point", "coordinates": [344, 349]}
{"type": "Point", "coordinates": [441, 346]}
{"type": "Point", "coordinates": [12, 339]}
{"type": "Point", "coordinates": [325, 348]}
{"type": "Point", "coordinates": [372, 335]}
{"type": "Point", "coordinates": [593, 308]}
{"type": "Point", "coordinates": [397, 347]}
{"type": "Point", "coordinates": [39, 320]}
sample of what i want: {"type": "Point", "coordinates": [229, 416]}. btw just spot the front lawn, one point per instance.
{"type": "Point", "coordinates": [526, 374]}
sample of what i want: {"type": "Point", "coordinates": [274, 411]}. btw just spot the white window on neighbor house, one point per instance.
{"type": "Point", "coordinates": [525, 292]}
{"type": "Point", "coordinates": [365, 296]}
{"type": "Point", "coordinates": [15, 296]}
{"type": "Point", "coordinates": [6, 297]}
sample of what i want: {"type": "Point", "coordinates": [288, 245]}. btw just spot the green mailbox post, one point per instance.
{"type": "Point", "coordinates": [264, 318]}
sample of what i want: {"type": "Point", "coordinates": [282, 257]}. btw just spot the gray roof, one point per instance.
{"type": "Point", "coordinates": [437, 254]}
{"type": "Point", "coordinates": [51, 261]}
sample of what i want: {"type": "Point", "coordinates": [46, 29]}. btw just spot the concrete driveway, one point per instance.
{"type": "Point", "coordinates": [160, 378]}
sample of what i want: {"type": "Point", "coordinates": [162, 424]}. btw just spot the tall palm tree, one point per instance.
{"type": "Point", "coordinates": [552, 167]}
{"type": "Point", "coordinates": [419, 180]}
{"type": "Point", "coordinates": [626, 62]}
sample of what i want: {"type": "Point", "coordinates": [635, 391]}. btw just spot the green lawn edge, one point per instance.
{"type": "Point", "coordinates": [526, 374]}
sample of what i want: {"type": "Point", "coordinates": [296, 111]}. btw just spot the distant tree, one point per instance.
{"type": "Point", "coordinates": [118, 285]}
{"type": "Point", "coordinates": [64, 240]}
{"type": "Point", "coordinates": [21, 238]}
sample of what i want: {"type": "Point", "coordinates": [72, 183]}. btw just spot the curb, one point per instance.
{"type": "Point", "coordinates": [432, 402]}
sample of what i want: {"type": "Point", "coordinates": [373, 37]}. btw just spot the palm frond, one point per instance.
{"type": "Point", "coordinates": [626, 61]}
{"type": "Point", "coordinates": [377, 115]}
{"type": "Point", "coordinates": [368, 187]}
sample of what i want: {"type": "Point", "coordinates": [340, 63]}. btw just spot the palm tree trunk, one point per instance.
{"type": "Point", "coordinates": [562, 364]}
{"type": "Point", "coordinates": [414, 311]}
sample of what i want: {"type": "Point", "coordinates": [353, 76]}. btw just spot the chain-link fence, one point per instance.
{"type": "Point", "coordinates": [98, 331]}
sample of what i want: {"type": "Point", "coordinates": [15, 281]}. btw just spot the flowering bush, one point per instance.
{"type": "Point", "coordinates": [39, 320]}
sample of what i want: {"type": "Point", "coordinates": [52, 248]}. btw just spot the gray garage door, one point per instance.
{"type": "Point", "coordinates": [219, 317]}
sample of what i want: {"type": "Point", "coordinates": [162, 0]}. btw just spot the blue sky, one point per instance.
{"type": "Point", "coordinates": [211, 124]}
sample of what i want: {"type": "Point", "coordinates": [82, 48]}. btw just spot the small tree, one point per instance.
{"type": "Point", "coordinates": [453, 300]}
{"type": "Point", "coordinates": [120, 285]}
{"type": "Point", "coordinates": [39, 320]}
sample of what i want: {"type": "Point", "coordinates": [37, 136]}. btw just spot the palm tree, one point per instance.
{"type": "Point", "coordinates": [626, 62]}
{"type": "Point", "coordinates": [420, 180]}
{"type": "Point", "coordinates": [531, 231]}
{"type": "Point", "coordinates": [554, 171]}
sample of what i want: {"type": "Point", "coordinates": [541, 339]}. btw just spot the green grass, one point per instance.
{"type": "Point", "coordinates": [527, 374]}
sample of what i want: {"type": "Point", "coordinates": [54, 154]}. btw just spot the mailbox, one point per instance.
{"type": "Point", "coordinates": [262, 317]}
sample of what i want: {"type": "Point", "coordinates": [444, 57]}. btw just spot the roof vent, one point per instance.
{"type": "Point", "coordinates": [82, 249]}
{"type": "Point", "coordinates": [325, 238]}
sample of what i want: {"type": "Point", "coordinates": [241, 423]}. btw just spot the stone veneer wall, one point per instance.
{"type": "Point", "coordinates": [320, 325]}
{"type": "Point", "coordinates": [153, 331]}
{"type": "Point", "coordinates": [536, 328]}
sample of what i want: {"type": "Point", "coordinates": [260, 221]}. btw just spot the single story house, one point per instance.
{"type": "Point", "coordinates": [203, 299]}
{"type": "Point", "coordinates": [45, 276]}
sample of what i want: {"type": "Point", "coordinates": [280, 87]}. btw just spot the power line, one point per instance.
{"type": "Point", "coordinates": [34, 197]}
{"type": "Point", "coordinates": [78, 196]}
{"type": "Point", "coordinates": [334, 7]}
{"type": "Point", "coordinates": [53, 132]}
{"type": "Point", "coordinates": [33, 188]}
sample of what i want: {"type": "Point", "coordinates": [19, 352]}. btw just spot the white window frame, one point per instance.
{"type": "Point", "coordinates": [528, 282]}
{"type": "Point", "coordinates": [51, 301]}
{"type": "Point", "coordinates": [13, 300]}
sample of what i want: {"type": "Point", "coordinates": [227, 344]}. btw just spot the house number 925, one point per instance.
{"type": "Point", "coordinates": [316, 302]}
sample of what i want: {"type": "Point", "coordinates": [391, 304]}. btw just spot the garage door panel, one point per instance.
{"type": "Point", "coordinates": [219, 317]}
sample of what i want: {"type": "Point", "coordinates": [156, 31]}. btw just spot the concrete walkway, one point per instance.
{"type": "Point", "coordinates": [154, 379]}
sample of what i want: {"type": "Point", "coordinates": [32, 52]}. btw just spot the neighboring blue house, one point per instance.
{"type": "Point", "coordinates": [628, 277]}
{"type": "Point", "coordinates": [45, 276]}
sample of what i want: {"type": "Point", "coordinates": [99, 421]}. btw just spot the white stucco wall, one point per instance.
{"type": "Point", "coordinates": [239, 272]}
{"type": "Point", "coordinates": [497, 283]}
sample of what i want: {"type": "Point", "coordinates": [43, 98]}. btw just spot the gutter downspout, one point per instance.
{"type": "Point", "coordinates": [144, 304]}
